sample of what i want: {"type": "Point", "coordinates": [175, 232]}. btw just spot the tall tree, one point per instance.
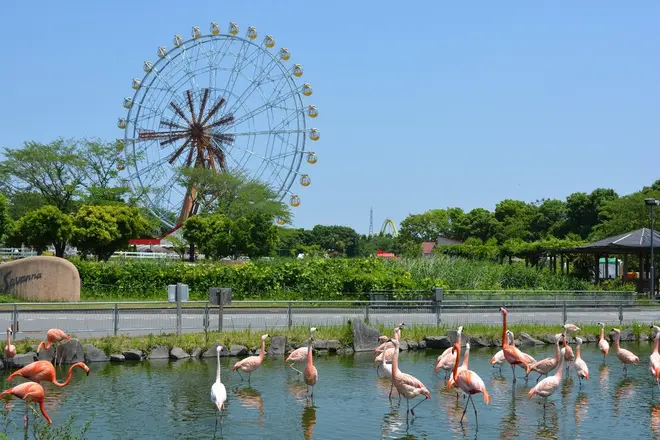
{"type": "Point", "coordinates": [550, 219]}
{"type": "Point", "coordinates": [515, 218]}
{"type": "Point", "coordinates": [4, 217]}
{"type": "Point", "coordinates": [479, 223]}
{"type": "Point", "coordinates": [429, 225]}
{"type": "Point", "coordinates": [625, 214]}
{"type": "Point", "coordinates": [41, 228]}
{"type": "Point", "coordinates": [337, 240]}
{"type": "Point", "coordinates": [582, 210]}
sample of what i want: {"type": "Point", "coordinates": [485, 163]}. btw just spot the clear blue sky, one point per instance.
{"type": "Point", "coordinates": [422, 104]}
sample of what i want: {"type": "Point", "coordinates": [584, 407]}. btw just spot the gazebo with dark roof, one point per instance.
{"type": "Point", "coordinates": [636, 243]}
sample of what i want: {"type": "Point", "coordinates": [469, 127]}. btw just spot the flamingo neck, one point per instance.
{"type": "Point", "coordinates": [466, 357]}
{"type": "Point", "coordinates": [564, 333]}
{"type": "Point", "coordinates": [558, 351]}
{"type": "Point", "coordinates": [8, 338]}
{"type": "Point", "coordinates": [577, 351]}
{"type": "Point", "coordinates": [310, 362]}
{"type": "Point", "coordinates": [68, 376]}
{"type": "Point", "coordinates": [617, 340]}
{"type": "Point", "coordinates": [602, 333]}
{"type": "Point", "coordinates": [559, 367]}
{"type": "Point", "coordinates": [505, 342]}
{"type": "Point", "coordinates": [217, 374]}
{"type": "Point", "coordinates": [397, 335]}
{"type": "Point", "coordinates": [395, 363]}
{"type": "Point", "coordinates": [458, 355]}
{"type": "Point", "coordinates": [656, 340]}
{"type": "Point", "coordinates": [263, 350]}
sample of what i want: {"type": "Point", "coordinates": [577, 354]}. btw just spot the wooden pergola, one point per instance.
{"type": "Point", "coordinates": [636, 243]}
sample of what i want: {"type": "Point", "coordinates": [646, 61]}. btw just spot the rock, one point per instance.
{"type": "Point", "coordinates": [548, 339]}
{"type": "Point", "coordinates": [178, 353]}
{"type": "Point", "coordinates": [94, 354]}
{"type": "Point", "coordinates": [453, 337]}
{"type": "Point", "coordinates": [117, 358]}
{"type": "Point", "coordinates": [440, 342]}
{"type": "Point", "coordinates": [526, 339]}
{"type": "Point", "coordinates": [591, 338]}
{"type": "Point", "coordinates": [333, 345]}
{"type": "Point", "coordinates": [364, 338]}
{"type": "Point", "coordinates": [41, 278]}
{"type": "Point", "coordinates": [478, 342]}
{"type": "Point", "coordinates": [238, 350]}
{"type": "Point", "coordinates": [197, 352]}
{"type": "Point", "coordinates": [212, 351]}
{"type": "Point", "coordinates": [46, 355]}
{"type": "Point", "coordinates": [412, 345]}
{"type": "Point", "coordinates": [320, 344]}
{"type": "Point", "coordinates": [345, 350]}
{"type": "Point", "coordinates": [277, 346]}
{"type": "Point", "coordinates": [2, 365]}
{"type": "Point", "coordinates": [159, 352]}
{"type": "Point", "coordinates": [70, 352]}
{"type": "Point", "coordinates": [321, 352]}
{"type": "Point", "coordinates": [422, 344]}
{"type": "Point", "coordinates": [627, 335]}
{"type": "Point", "coordinates": [21, 360]}
{"type": "Point", "coordinates": [133, 355]}
{"type": "Point", "coordinates": [644, 337]}
{"type": "Point", "coordinates": [403, 345]}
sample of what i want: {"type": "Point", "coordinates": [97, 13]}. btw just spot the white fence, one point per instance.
{"type": "Point", "coordinates": [9, 253]}
{"type": "Point", "coordinates": [144, 255]}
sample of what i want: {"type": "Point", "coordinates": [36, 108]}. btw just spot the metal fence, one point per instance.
{"type": "Point", "coordinates": [139, 318]}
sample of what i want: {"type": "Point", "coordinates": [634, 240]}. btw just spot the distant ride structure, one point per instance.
{"type": "Point", "coordinates": [389, 224]}
{"type": "Point", "coordinates": [219, 101]}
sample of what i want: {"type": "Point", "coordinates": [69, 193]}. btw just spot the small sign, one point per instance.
{"type": "Point", "coordinates": [183, 291]}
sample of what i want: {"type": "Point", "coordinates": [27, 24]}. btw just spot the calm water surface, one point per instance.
{"type": "Point", "coordinates": [170, 400]}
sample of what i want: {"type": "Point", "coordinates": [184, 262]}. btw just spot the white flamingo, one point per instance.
{"type": "Point", "coordinates": [218, 391]}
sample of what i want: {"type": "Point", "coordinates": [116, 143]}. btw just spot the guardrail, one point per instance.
{"type": "Point", "coordinates": [144, 255]}
{"type": "Point", "coordinates": [139, 318]}
{"type": "Point", "coordinates": [7, 253]}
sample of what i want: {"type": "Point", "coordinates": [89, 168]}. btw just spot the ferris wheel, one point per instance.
{"type": "Point", "coordinates": [219, 101]}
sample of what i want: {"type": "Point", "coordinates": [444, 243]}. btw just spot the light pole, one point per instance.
{"type": "Point", "coordinates": [652, 203]}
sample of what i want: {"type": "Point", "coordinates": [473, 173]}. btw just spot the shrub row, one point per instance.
{"type": "Point", "coordinates": [322, 279]}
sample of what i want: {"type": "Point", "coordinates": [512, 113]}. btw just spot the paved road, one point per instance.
{"type": "Point", "coordinates": [87, 323]}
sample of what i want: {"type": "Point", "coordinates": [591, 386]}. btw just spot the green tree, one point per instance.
{"type": "Point", "coordinates": [368, 246]}
{"type": "Point", "coordinates": [5, 221]}
{"type": "Point", "coordinates": [336, 240]}
{"type": "Point", "coordinates": [430, 225]}
{"type": "Point", "coordinates": [625, 214]}
{"type": "Point", "coordinates": [54, 170]}
{"type": "Point", "coordinates": [550, 219]}
{"type": "Point", "coordinates": [291, 241]}
{"type": "Point", "coordinates": [22, 202]}
{"type": "Point", "coordinates": [582, 210]}
{"type": "Point", "coordinates": [103, 229]}
{"type": "Point", "coordinates": [254, 236]}
{"type": "Point", "coordinates": [515, 218]}
{"type": "Point", "coordinates": [41, 228]}
{"type": "Point", "coordinates": [479, 223]}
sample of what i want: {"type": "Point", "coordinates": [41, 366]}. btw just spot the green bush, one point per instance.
{"type": "Point", "coordinates": [322, 279]}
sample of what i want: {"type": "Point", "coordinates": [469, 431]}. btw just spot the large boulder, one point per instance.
{"type": "Point", "coordinates": [41, 279]}
{"type": "Point", "coordinates": [238, 350]}
{"type": "Point", "coordinates": [94, 354]}
{"type": "Point", "coordinates": [21, 360]}
{"type": "Point", "coordinates": [117, 358]}
{"type": "Point", "coordinates": [133, 355]}
{"type": "Point", "coordinates": [277, 345]}
{"type": "Point", "coordinates": [320, 344]}
{"type": "Point", "coordinates": [333, 345]}
{"type": "Point", "coordinates": [213, 351]}
{"type": "Point", "coordinates": [439, 342]}
{"type": "Point", "coordinates": [364, 338]}
{"type": "Point", "coordinates": [159, 352]}
{"type": "Point", "coordinates": [178, 353]}
{"type": "Point", "coordinates": [526, 339]}
{"type": "Point", "coordinates": [69, 352]}
{"type": "Point", "coordinates": [453, 337]}
{"type": "Point", "coordinates": [47, 355]}
{"type": "Point", "coordinates": [479, 341]}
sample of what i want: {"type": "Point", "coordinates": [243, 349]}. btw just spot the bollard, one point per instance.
{"type": "Point", "coordinates": [221, 315]}
{"type": "Point", "coordinates": [620, 315]}
{"type": "Point", "coordinates": [438, 313]}
{"type": "Point", "coordinates": [206, 323]}
{"type": "Point", "coordinates": [115, 319]}
{"type": "Point", "coordinates": [14, 325]}
{"type": "Point", "coordinates": [289, 318]}
{"type": "Point", "coordinates": [565, 314]}
{"type": "Point", "coordinates": [366, 313]}
{"type": "Point", "coordinates": [178, 309]}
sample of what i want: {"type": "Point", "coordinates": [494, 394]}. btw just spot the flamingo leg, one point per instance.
{"type": "Point", "coordinates": [513, 372]}
{"type": "Point", "coordinates": [25, 419]}
{"type": "Point", "coordinates": [464, 411]}
{"type": "Point", "coordinates": [239, 373]}
{"type": "Point", "coordinates": [249, 375]}
{"type": "Point", "coordinates": [392, 388]}
{"type": "Point", "coordinates": [412, 410]}
{"type": "Point", "coordinates": [295, 369]}
{"type": "Point", "coordinates": [476, 417]}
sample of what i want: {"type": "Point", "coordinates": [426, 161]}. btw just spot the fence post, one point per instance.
{"type": "Point", "coordinates": [620, 315]}
{"type": "Point", "coordinates": [366, 313]}
{"type": "Point", "coordinates": [14, 325]}
{"type": "Point", "coordinates": [565, 314]}
{"type": "Point", "coordinates": [289, 318]}
{"type": "Point", "coordinates": [221, 315]}
{"type": "Point", "coordinates": [115, 319]}
{"type": "Point", "coordinates": [178, 309]}
{"type": "Point", "coordinates": [206, 322]}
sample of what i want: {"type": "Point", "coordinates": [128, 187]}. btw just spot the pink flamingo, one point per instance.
{"type": "Point", "coordinates": [386, 345]}
{"type": "Point", "coordinates": [579, 364]}
{"type": "Point", "coordinates": [447, 359]}
{"type": "Point", "coordinates": [498, 359]}
{"type": "Point", "coordinates": [545, 366]}
{"type": "Point", "coordinates": [464, 366]}
{"type": "Point", "coordinates": [298, 355]}
{"type": "Point", "coordinates": [529, 360]}
{"type": "Point", "coordinates": [310, 374]}
{"type": "Point", "coordinates": [54, 335]}
{"type": "Point", "coordinates": [386, 349]}
{"type": "Point", "coordinates": [251, 363]}
{"type": "Point", "coordinates": [44, 371]}
{"type": "Point", "coordinates": [407, 385]}
{"type": "Point", "coordinates": [626, 357]}
{"type": "Point", "coordinates": [470, 383]}
{"type": "Point", "coordinates": [569, 356]}
{"type": "Point", "coordinates": [603, 345]}
{"type": "Point", "coordinates": [10, 349]}
{"type": "Point", "coordinates": [571, 328]}
{"type": "Point", "coordinates": [549, 385]}
{"type": "Point", "coordinates": [511, 354]}
{"type": "Point", "coordinates": [654, 364]}
{"type": "Point", "coordinates": [29, 392]}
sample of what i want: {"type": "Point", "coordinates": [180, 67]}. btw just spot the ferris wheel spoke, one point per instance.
{"type": "Point", "coordinates": [166, 123]}
{"type": "Point", "coordinates": [161, 79]}
{"type": "Point", "coordinates": [264, 107]}
{"type": "Point", "coordinates": [265, 159]}
{"type": "Point", "coordinates": [255, 83]}
{"type": "Point", "coordinates": [226, 119]}
{"type": "Point", "coordinates": [178, 152]}
{"type": "Point", "coordinates": [179, 112]}
{"type": "Point", "coordinates": [234, 71]}
{"type": "Point", "coordinates": [188, 67]}
{"type": "Point", "coordinates": [214, 110]}
{"type": "Point", "coordinates": [203, 105]}
{"type": "Point", "coordinates": [265, 132]}
{"type": "Point", "coordinates": [190, 106]}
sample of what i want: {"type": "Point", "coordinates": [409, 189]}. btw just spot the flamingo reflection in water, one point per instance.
{"type": "Point", "coordinates": [655, 420]}
{"type": "Point", "coordinates": [581, 408]}
{"type": "Point", "coordinates": [308, 421]}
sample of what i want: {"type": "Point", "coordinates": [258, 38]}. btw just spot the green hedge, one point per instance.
{"type": "Point", "coordinates": [322, 279]}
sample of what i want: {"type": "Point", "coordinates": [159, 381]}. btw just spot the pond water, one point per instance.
{"type": "Point", "coordinates": [170, 400]}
